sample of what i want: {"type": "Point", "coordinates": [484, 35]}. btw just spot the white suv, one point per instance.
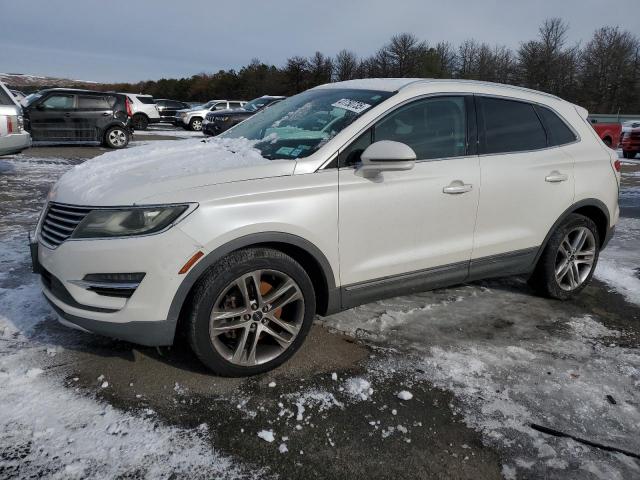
{"type": "Point", "coordinates": [13, 137]}
{"type": "Point", "coordinates": [144, 110]}
{"type": "Point", "coordinates": [343, 194]}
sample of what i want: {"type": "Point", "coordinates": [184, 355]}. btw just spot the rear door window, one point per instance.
{"type": "Point", "coordinates": [235, 104]}
{"type": "Point", "coordinates": [59, 102]}
{"type": "Point", "coordinates": [558, 133]}
{"type": "Point", "coordinates": [90, 102]}
{"type": "Point", "coordinates": [510, 126]}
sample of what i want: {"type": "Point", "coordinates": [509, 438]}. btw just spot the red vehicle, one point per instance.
{"type": "Point", "coordinates": [630, 142]}
{"type": "Point", "coordinates": [608, 132]}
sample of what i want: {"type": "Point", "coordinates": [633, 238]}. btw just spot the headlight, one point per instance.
{"type": "Point", "coordinates": [221, 119]}
{"type": "Point", "coordinates": [127, 222]}
{"type": "Point", "coordinates": [183, 115]}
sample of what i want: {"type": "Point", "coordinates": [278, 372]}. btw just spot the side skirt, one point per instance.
{"type": "Point", "coordinates": [513, 263]}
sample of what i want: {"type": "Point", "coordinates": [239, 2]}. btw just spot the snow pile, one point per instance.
{"type": "Point", "coordinates": [266, 435]}
{"type": "Point", "coordinates": [405, 395]}
{"type": "Point", "coordinates": [358, 388]}
{"type": "Point", "coordinates": [619, 264]}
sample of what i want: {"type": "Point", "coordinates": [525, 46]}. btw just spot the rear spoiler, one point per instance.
{"type": "Point", "coordinates": [583, 112]}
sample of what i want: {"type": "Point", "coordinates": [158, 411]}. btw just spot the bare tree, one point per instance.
{"type": "Point", "coordinates": [345, 66]}
{"type": "Point", "coordinates": [609, 71]}
{"type": "Point", "coordinates": [320, 69]}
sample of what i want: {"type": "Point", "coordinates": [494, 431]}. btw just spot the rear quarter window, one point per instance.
{"type": "Point", "coordinates": [510, 126]}
{"type": "Point", "coordinates": [558, 133]}
{"type": "Point", "coordinates": [86, 102]}
{"type": "Point", "coordinates": [147, 100]}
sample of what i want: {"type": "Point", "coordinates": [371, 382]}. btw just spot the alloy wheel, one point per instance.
{"type": "Point", "coordinates": [256, 318]}
{"type": "Point", "coordinates": [575, 258]}
{"type": "Point", "coordinates": [117, 137]}
{"type": "Point", "coordinates": [196, 125]}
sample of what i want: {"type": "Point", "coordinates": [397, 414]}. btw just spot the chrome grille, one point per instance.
{"type": "Point", "coordinates": [60, 221]}
{"type": "Point", "coordinates": [210, 117]}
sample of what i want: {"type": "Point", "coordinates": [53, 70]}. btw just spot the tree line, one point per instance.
{"type": "Point", "coordinates": [602, 75]}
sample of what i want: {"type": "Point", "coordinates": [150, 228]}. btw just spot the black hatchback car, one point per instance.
{"type": "Point", "coordinates": [79, 116]}
{"type": "Point", "coordinates": [220, 120]}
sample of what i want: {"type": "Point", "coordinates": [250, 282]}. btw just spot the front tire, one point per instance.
{"type": "Point", "coordinates": [568, 261]}
{"type": "Point", "coordinates": [250, 312]}
{"type": "Point", "coordinates": [116, 137]}
{"type": "Point", "coordinates": [195, 124]}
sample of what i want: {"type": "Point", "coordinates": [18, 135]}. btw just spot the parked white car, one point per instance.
{"type": "Point", "coordinates": [144, 109]}
{"type": "Point", "coordinates": [191, 119]}
{"type": "Point", "coordinates": [13, 137]}
{"type": "Point", "coordinates": [343, 194]}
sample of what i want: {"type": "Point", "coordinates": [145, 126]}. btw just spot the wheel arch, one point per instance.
{"type": "Point", "coordinates": [304, 252]}
{"type": "Point", "coordinates": [591, 208]}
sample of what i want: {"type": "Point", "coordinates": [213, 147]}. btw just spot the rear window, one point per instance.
{"type": "Point", "coordinates": [5, 98]}
{"type": "Point", "coordinates": [147, 100]}
{"type": "Point", "coordinates": [558, 133]}
{"type": "Point", "coordinates": [86, 102]}
{"type": "Point", "coordinates": [511, 126]}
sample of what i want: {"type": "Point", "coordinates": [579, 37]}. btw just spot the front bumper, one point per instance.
{"type": "Point", "coordinates": [214, 128]}
{"type": "Point", "coordinates": [14, 143]}
{"type": "Point", "coordinates": [142, 318]}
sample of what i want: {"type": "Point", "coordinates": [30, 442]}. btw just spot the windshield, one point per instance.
{"type": "Point", "coordinates": [256, 104]}
{"type": "Point", "coordinates": [29, 99]}
{"type": "Point", "coordinates": [300, 125]}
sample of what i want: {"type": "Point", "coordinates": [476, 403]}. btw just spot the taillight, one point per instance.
{"type": "Point", "coordinates": [9, 125]}
{"type": "Point", "coordinates": [128, 105]}
{"type": "Point", "coordinates": [616, 165]}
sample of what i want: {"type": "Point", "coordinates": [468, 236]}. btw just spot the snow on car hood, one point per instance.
{"type": "Point", "coordinates": [128, 176]}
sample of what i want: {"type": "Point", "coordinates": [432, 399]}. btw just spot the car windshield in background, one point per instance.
{"type": "Point", "coordinates": [300, 125]}
{"type": "Point", "coordinates": [256, 104]}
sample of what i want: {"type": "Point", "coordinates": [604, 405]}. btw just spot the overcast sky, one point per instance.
{"type": "Point", "coordinates": [149, 39]}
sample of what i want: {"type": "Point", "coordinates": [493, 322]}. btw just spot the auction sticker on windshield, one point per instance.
{"type": "Point", "coordinates": [351, 105]}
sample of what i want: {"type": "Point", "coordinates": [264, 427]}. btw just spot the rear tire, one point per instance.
{"type": "Point", "coordinates": [140, 121]}
{"type": "Point", "coordinates": [569, 259]}
{"type": "Point", "coordinates": [628, 154]}
{"type": "Point", "coordinates": [239, 331]}
{"type": "Point", "coordinates": [116, 137]}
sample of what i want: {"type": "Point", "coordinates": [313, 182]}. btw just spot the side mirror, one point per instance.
{"type": "Point", "coordinates": [388, 156]}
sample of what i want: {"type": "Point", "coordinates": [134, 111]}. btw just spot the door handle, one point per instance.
{"type": "Point", "coordinates": [556, 177]}
{"type": "Point", "coordinates": [67, 114]}
{"type": "Point", "coordinates": [106, 114]}
{"type": "Point", "coordinates": [457, 187]}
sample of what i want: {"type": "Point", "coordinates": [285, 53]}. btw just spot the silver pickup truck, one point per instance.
{"type": "Point", "coordinates": [13, 137]}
